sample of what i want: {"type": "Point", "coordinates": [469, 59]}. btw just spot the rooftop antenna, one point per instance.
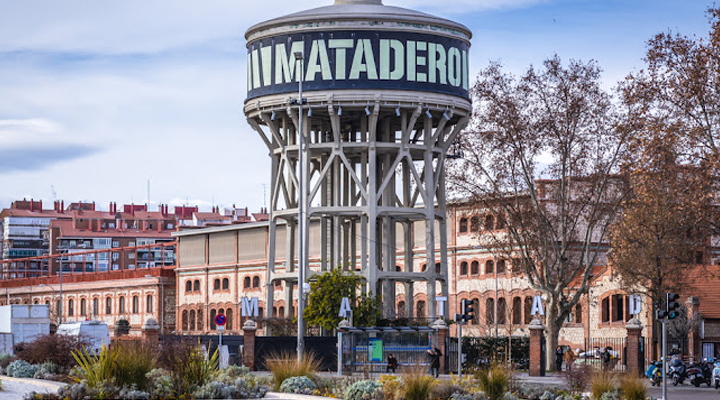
{"type": "Point", "coordinates": [264, 185]}
{"type": "Point", "coordinates": [148, 190]}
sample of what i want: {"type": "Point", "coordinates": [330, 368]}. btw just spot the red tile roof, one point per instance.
{"type": "Point", "coordinates": [704, 283]}
{"type": "Point", "coordinates": [67, 231]}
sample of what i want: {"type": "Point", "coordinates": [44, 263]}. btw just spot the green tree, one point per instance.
{"type": "Point", "coordinates": [326, 296]}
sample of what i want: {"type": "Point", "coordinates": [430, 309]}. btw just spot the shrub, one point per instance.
{"type": "Point", "coordinates": [159, 383]}
{"type": "Point", "coordinates": [187, 364]}
{"type": "Point", "coordinates": [95, 371]}
{"type": "Point", "coordinates": [133, 393]}
{"type": "Point", "coordinates": [601, 383]}
{"type": "Point", "coordinates": [286, 365]}
{"type": "Point", "coordinates": [367, 389]}
{"type": "Point", "coordinates": [240, 389]}
{"type": "Point", "coordinates": [416, 384]}
{"type": "Point", "coordinates": [21, 369]}
{"type": "Point", "coordinates": [469, 396]}
{"type": "Point", "coordinates": [578, 377]}
{"type": "Point", "coordinates": [53, 348]}
{"type": "Point", "coordinates": [133, 360]}
{"type": "Point", "coordinates": [390, 386]}
{"type": "Point", "coordinates": [298, 385]}
{"type": "Point", "coordinates": [47, 370]}
{"type": "Point", "coordinates": [494, 381]}
{"type": "Point", "coordinates": [632, 388]}
{"type": "Point", "coordinates": [5, 360]}
{"type": "Point", "coordinates": [230, 373]}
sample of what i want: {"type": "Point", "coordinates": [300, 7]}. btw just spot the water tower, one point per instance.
{"type": "Point", "coordinates": [362, 155]}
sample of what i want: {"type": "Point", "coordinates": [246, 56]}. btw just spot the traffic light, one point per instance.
{"type": "Point", "coordinates": [672, 305]}
{"type": "Point", "coordinates": [467, 310]}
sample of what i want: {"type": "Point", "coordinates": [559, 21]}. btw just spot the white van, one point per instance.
{"type": "Point", "coordinates": [94, 331]}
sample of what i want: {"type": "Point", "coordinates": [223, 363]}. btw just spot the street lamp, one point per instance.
{"type": "Point", "coordinates": [302, 247]}
{"type": "Point", "coordinates": [53, 290]}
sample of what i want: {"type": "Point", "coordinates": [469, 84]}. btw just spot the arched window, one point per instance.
{"type": "Point", "coordinates": [196, 286]}
{"type": "Point", "coordinates": [216, 284]}
{"type": "Point", "coordinates": [71, 307]}
{"type": "Point", "coordinates": [121, 305]}
{"type": "Point", "coordinates": [490, 311]}
{"type": "Point", "coordinates": [476, 314]}
{"type": "Point", "coordinates": [475, 268]}
{"type": "Point", "coordinates": [463, 268]}
{"type": "Point", "coordinates": [578, 314]}
{"type": "Point", "coordinates": [502, 311]}
{"type": "Point", "coordinates": [489, 222]}
{"type": "Point", "coordinates": [463, 225]}
{"type": "Point", "coordinates": [229, 317]}
{"type": "Point", "coordinates": [149, 303]}
{"type": "Point", "coordinates": [398, 268]}
{"type": "Point", "coordinates": [213, 314]}
{"type": "Point", "coordinates": [261, 311]}
{"type": "Point", "coordinates": [188, 286]}
{"type": "Point", "coordinates": [184, 326]}
{"type": "Point", "coordinates": [135, 305]}
{"type": "Point", "coordinates": [226, 283]}
{"type": "Point", "coordinates": [108, 305]}
{"type": "Point", "coordinates": [438, 268]}
{"type": "Point", "coordinates": [192, 320]}
{"type": "Point", "coordinates": [281, 312]}
{"type": "Point", "coordinates": [96, 307]}
{"type": "Point", "coordinates": [420, 309]}
{"type": "Point", "coordinates": [256, 281]}
{"type": "Point", "coordinates": [500, 222]}
{"type": "Point", "coordinates": [501, 269]}
{"type": "Point", "coordinates": [423, 268]}
{"type": "Point", "coordinates": [517, 311]}
{"type": "Point", "coordinates": [83, 307]}
{"type": "Point", "coordinates": [47, 302]}
{"type": "Point", "coordinates": [401, 308]}
{"type": "Point", "coordinates": [200, 320]}
{"type": "Point", "coordinates": [474, 224]}
{"type": "Point", "coordinates": [527, 308]}
{"type": "Point", "coordinates": [246, 282]}
{"type": "Point", "coordinates": [275, 314]}
{"type": "Point", "coordinates": [489, 267]}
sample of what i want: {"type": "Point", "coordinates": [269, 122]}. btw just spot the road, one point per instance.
{"type": "Point", "coordinates": [685, 392]}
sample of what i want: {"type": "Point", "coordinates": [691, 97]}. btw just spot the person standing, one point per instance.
{"type": "Point", "coordinates": [569, 359]}
{"type": "Point", "coordinates": [434, 355]}
{"type": "Point", "coordinates": [558, 358]}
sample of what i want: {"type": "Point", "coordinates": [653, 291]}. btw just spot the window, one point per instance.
{"type": "Point", "coordinates": [618, 307]}
{"type": "Point", "coordinates": [196, 286]}
{"type": "Point", "coordinates": [131, 256]}
{"type": "Point", "coordinates": [115, 256]}
{"type": "Point", "coordinates": [474, 268]}
{"type": "Point", "coordinates": [213, 314]}
{"type": "Point", "coordinates": [121, 305]}
{"type": "Point", "coordinates": [71, 307]}
{"type": "Point", "coordinates": [191, 325]}
{"type": "Point", "coordinates": [115, 243]}
{"type": "Point", "coordinates": [438, 268]}
{"type": "Point", "coordinates": [108, 306]}
{"type": "Point", "coordinates": [135, 305]}
{"type": "Point", "coordinates": [605, 310]}
{"type": "Point", "coordinates": [229, 317]}
{"type": "Point", "coordinates": [463, 268]}
{"type": "Point", "coordinates": [489, 222]}
{"type": "Point", "coordinates": [246, 282]}
{"type": "Point", "coordinates": [527, 308]}
{"type": "Point", "coordinates": [500, 222]}
{"type": "Point", "coordinates": [274, 314]}
{"type": "Point", "coordinates": [502, 312]}
{"type": "Point", "coordinates": [96, 307]}
{"type": "Point", "coordinates": [501, 269]}
{"type": "Point", "coordinates": [476, 314]}
{"type": "Point", "coordinates": [256, 281]}
{"type": "Point", "coordinates": [463, 225]}
{"type": "Point", "coordinates": [200, 320]}
{"type": "Point", "coordinates": [281, 310]}
{"type": "Point", "coordinates": [184, 326]}
{"type": "Point", "coordinates": [149, 303]}
{"type": "Point", "coordinates": [489, 267]}
{"type": "Point", "coordinates": [423, 268]}
{"type": "Point", "coordinates": [420, 309]}
{"type": "Point", "coordinates": [83, 307]}
{"type": "Point", "coordinates": [216, 284]}
{"type": "Point", "coordinates": [578, 313]}
{"type": "Point", "coordinates": [278, 283]}
{"type": "Point", "coordinates": [474, 224]}
{"type": "Point", "coordinates": [226, 283]}
{"type": "Point", "coordinates": [188, 286]}
{"type": "Point", "coordinates": [517, 311]}
{"type": "Point", "coordinates": [698, 257]}
{"type": "Point", "coordinates": [490, 311]}
{"type": "Point", "coordinates": [401, 309]}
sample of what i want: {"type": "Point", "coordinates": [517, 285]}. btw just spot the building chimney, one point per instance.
{"type": "Point", "coordinates": [93, 206]}
{"type": "Point", "coordinates": [62, 207]}
{"type": "Point", "coordinates": [32, 205]}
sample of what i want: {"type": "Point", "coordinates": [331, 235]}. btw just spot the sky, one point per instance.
{"type": "Point", "coordinates": [137, 101]}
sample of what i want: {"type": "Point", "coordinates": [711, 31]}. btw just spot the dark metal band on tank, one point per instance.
{"type": "Point", "coordinates": [341, 60]}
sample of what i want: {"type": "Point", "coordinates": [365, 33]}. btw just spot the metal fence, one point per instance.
{"type": "Point", "coordinates": [409, 347]}
{"type": "Point", "coordinates": [591, 354]}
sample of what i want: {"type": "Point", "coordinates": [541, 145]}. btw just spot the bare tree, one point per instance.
{"type": "Point", "coordinates": [542, 154]}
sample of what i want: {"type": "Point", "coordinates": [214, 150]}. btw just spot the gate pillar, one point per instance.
{"type": "Point", "coordinates": [537, 347]}
{"type": "Point", "coordinates": [634, 354]}
{"type": "Point", "coordinates": [249, 330]}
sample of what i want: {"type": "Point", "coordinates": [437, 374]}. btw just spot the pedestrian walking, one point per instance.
{"type": "Point", "coordinates": [434, 355]}
{"type": "Point", "coordinates": [569, 358]}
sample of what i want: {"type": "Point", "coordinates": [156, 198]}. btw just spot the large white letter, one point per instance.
{"type": "Point", "coordinates": [399, 51]}
{"type": "Point", "coordinates": [318, 50]}
{"type": "Point", "coordinates": [363, 51]}
{"type": "Point", "coordinates": [249, 307]}
{"type": "Point", "coordinates": [284, 72]}
{"type": "Point", "coordinates": [437, 56]}
{"type": "Point", "coordinates": [537, 307]}
{"type": "Point", "coordinates": [344, 307]}
{"type": "Point", "coordinates": [340, 55]}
